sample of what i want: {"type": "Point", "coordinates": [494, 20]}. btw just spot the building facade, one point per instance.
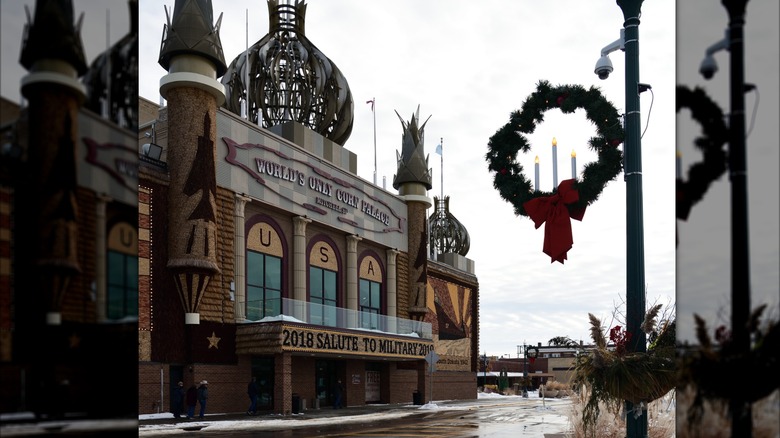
{"type": "Point", "coordinates": [262, 253]}
{"type": "Point", "coordinates": [68, 226]}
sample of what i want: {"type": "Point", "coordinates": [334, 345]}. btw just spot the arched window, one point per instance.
{"type": "Point", "coordinates": [370, 293]}
{"type": "Point", "coordinates": [323, 284]}
{"type": "Point", "coordinates": [263, 272]}
{"type": "Point", "coordinates": [122, 271]}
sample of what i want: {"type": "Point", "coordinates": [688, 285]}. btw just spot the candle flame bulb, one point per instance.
{"type": "Point", "coordinates": [555, 142]}
{"type": "Point", "coordinates": [536, 160]}
{"type": "Point", "coordinates": [573, 154]}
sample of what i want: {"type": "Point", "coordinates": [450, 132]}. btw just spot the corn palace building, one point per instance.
{"type": "Point", "coordinates": [263, 254]}
{"type": "Point", "coordinates": [68, 223]}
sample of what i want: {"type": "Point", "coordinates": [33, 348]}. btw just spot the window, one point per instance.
{"type": "Point", "coordinates": [370, 304]}
{"type": "Point", "coordinates": [370, 293]}
{"type": "Point", "coordinates": [322, 294]}
{"type": "Point", "coordinates": [122, 285]}
{"type": "Point", "coordinates": [264, 265]}
{"type": "Point", "coordinates": [263, 285]}
{"type": "Point", "coordinates": [122, 271]}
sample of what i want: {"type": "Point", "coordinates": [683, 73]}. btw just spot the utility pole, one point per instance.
{"type": "Point", "coordinates": [741, 416]}
{"type": "Point", "coordinates": [636, 421]}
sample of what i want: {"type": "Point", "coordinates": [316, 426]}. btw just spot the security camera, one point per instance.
{"type": "Point", "coordinates": [603, 67]}
{"type": "Point", "coordinates": [708, 67]}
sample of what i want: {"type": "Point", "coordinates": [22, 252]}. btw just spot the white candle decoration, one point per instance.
{"type": "Point", "coordinates": [536, 173]}
{"type": "Point", "coordinates": [573, 165]}
{"type": "Point", "coordinates": [555, 163]}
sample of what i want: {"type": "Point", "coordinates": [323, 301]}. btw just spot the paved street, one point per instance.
{"type": "Point", "coordinates": [485, 417]}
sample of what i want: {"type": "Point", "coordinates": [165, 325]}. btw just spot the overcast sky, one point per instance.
{"type": "Point", "coordinates": [704, 252]}
{"type": "Point", "coordinates": [468, 65]}
{"type": "Point", "coordinates": [93, 34]}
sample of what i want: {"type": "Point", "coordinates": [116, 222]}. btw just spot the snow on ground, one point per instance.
{"type": "Point", "coordinates": [275, 421]}
{"type": "Point", "coordinates": [264, 422]}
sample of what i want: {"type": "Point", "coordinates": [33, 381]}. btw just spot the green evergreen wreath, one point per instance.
{"type": "Point", "coordinates": [715, 134]}
{"type": "Point", "coordinates": [503, 146]}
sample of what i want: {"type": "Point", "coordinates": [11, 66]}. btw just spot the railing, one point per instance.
{"type": "Point", "coordinates": [330, 316]}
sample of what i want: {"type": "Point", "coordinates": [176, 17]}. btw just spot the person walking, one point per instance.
{"type": "Point", "coordinates": [191, 398]}
{"type": "Point", "coordinates": [251, 391]}
{"type": "Point", "coordinates": [203, 396]}
{"type": "Point", "coordinates": [177, 400]}
{"type": "Point", "coordinates": [338, 393]}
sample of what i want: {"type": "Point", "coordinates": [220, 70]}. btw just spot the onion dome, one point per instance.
{"type": "Point", "coordinates": [289, 79]}
{"type": "Point", "coordinates": [447, 234]}
{"type": "Point", "coordinates": [112, 78]}
{"type": "Point", "coordinates": [412, 163]}
{"type": "Point", "coordinates": [52, 35]}
{"type": "Point", "coordinates": [190, 32]}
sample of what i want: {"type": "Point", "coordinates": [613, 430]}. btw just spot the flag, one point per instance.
{"type": "Point", "coordinates": [372, 104]}
{"type": "Point", "coordinates": [438, 149]}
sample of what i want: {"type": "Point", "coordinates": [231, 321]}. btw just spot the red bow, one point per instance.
{"type": "Point", "coordinates": [553, 210]}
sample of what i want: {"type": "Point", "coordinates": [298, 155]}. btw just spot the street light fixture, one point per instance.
{"type": "Point", "coordinates": [636, 425]}
{"type": "Point", "coordinates": [484, 360]}
{"type": "Point", "coordinates": [529, 352]}
{"type": "Point", "coordinates": [741, 411]}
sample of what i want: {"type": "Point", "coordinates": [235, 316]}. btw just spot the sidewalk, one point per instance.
{"type": "Point", "coordinates": [494, 414]}
{"type": "Point", "coordinates": [308, 414]}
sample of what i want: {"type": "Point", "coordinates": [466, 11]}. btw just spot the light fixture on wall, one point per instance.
{"type": "Point", "coordinates": [152, 150]}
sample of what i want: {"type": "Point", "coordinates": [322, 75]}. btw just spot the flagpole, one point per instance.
{"type": "Point", "coordinates": [442, 168]}
{"type": "Point", "coordinates": [373, 110]}
{"type": "Point", "coordinates": [246, 68]}
{"type": "Point", "coordinates": [108, 64]}
{"type": "Point", "coordinates": [373, 102]}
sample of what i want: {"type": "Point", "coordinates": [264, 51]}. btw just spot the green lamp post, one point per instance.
{"type": "Point", "coordinates": [741, 421]}
{"type": "Point", "coordinates": [636, 420]}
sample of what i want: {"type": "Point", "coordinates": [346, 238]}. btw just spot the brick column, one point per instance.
{"type": "Point", "coordinates": [283, 383]}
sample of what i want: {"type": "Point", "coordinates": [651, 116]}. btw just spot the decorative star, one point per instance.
{"type": "Point", "coordinates": [214, 340]}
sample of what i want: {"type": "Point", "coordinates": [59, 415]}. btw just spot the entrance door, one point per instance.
{"type": "Point", "coordinates": [263, 370]}
{"type": "Point", "coordinates": [373, 382]}
{"type": "Point", "coordinates": [175, 375]}
{"type": "Point", "coordinates": [325, 379]}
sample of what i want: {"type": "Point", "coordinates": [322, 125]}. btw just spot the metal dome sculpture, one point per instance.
{"type": "Point", "coordinates": [112, 78]}
{"type": "Point", "coordinates": [447, 234]}
{"type": "Point", "coordinates": [289, 79]}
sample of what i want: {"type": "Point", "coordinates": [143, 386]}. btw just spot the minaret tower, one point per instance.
{"type": "Point", "coordinates": [413, 181]}
{"type": "Point", "coordinates": [192, 54]}
{"type": "Point", "coordinates": [54, 55]}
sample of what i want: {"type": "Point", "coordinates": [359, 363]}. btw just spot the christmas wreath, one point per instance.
{"type": "Point", "coordinates": [572, 195]}
{"type": "Point", "coordinates": [714, 135]}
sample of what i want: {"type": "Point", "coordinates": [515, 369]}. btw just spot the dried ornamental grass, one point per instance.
{"type": "Point", "coordinates": [613, 376]}
{"type": "Point", "coordinates": [703, 369]}
{"type": "Point", "coordinates": [661, 420]}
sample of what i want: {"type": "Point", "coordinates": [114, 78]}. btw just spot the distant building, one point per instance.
{"type": "Point", "coordinates": [263, 254]}
{"type": "Point", "coordinates": [552, 363]}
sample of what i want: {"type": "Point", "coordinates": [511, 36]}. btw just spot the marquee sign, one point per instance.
{"type": "Point", "coordinates": [326, 191]}
{"type": "Point", "coordinates": [297, 338]}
